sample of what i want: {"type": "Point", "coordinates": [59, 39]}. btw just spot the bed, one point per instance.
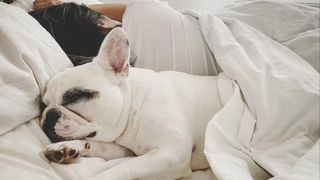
{"type": "Point", "coordinates": [268, 128]}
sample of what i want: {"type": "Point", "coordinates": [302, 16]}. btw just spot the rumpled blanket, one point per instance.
{"type": "Point", "coordinates": [269, 126]}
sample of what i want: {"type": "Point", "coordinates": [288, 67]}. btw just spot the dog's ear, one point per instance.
{"type": "Point", "coordinates": [114, 52]}
{"type": "Point", "coordinates": [108, 23]}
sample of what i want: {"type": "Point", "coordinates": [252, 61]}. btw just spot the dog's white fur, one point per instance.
{"type": "Point", "coordinates": [161, 117]}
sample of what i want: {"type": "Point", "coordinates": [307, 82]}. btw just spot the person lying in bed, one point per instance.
{"type": "Point", "coordinates": [78, 29]}
{"type": "Point", "coordinates": [160, 37]}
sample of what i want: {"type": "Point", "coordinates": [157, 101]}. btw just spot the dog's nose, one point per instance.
{"type": "Point", "coordinates": [50, 120]}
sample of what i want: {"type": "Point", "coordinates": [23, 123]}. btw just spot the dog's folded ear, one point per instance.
{"type": "Point", "coordinates": [114, 52]}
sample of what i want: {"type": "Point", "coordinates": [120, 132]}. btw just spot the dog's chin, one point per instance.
{"type": "Point", "coordinates": [79, 137]}
{"type": "Point", "coordinates": [55, 137]}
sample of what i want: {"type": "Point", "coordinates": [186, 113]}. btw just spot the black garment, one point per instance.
{"type": "Point", "coordinates": [75, 29]}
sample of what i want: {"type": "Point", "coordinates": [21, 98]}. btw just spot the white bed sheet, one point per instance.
{"type": "Point", "coordinates": [29, 56]}
{"type": "Point", "coordinates": [21, 157]}
{"type": "Point", "coordinates": [270, 125]}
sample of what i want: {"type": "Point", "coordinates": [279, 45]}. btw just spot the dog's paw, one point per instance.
{"type": "Point", "coordinates": [65, 152]}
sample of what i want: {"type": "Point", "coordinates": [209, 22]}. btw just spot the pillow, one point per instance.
{"type": "Point", "coordinates": [29, 56]}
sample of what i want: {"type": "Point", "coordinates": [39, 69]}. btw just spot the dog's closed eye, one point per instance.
{"type": "Point", "coordinates": [77, 94]}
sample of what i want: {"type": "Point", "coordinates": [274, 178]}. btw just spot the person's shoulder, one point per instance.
{"type": "Point", "coordinates": [141, 2]}
{"type": "Point", "coordinates": [137, 6]}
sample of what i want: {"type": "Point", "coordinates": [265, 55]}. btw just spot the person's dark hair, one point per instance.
{"type": "Point", "coordinates": [75, 29]}
{"type": "Point", "coordinates": [7, 1]}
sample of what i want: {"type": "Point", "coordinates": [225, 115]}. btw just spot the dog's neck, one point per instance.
{"type": "Point", "coordinates": [135, 89]}
{"type": "Point", "coordinates": [139, 83]}
{"type": "Point", "coordinates": [124, 117]}
{"type": "Point", "coordinates": [127, 104]}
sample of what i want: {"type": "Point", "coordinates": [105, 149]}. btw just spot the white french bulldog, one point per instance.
{"type": "Point", "coordinates": [160, 117]}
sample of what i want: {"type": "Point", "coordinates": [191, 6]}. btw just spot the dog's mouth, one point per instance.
{"type": "Point", "coordinates": [93, 134]}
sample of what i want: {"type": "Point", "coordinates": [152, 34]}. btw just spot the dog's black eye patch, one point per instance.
{"type": "Point", "coordinates": [76, 94]}
{"type": "Point", "coordinates": [52, 117]}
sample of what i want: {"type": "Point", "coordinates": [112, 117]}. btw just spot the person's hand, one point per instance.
{"type": "Point", "coordinates": [41, 4]}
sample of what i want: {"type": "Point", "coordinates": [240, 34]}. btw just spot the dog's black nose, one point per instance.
{"type": "Point", "coordinates": [92, 134]}
{"type": "Point", "coordinates": [57, 155]}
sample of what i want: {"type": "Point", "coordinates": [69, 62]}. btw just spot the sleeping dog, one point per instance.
{"type": "Point", "coordinates": [117, 110]}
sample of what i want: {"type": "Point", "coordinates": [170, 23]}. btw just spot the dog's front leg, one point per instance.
{"type": "Point", "coordinates": [157, 164]}
{"type": "Point", "coordinates": [67, 152]}
{"type": "Point", "coordinates": [105, 150]}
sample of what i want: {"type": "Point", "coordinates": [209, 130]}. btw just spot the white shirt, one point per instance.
{"type": "Point", "coordinates": [161, 38]}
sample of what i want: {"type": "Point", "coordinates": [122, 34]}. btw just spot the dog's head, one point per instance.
{"type": "Point", "coordinates": [90, 100]}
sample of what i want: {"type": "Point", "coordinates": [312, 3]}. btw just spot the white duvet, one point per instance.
{"type": "Point", "coordinates": [269, 126]}
{"type": "Point", "coordinates": [29, 56]}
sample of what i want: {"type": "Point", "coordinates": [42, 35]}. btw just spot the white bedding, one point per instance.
{"type": "Point", "coordinates": [29, 56]}
{"type": "Point", "coordinates": [268, 128]}
{"type": "Point", "coordinates": [21, 158]}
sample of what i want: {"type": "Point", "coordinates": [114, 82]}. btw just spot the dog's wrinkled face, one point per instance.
{"type": "Point", "coordinates": [82, 99]}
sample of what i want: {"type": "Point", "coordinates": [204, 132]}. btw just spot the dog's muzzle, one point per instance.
{"type": "Point", "coordinates": [61, 124]}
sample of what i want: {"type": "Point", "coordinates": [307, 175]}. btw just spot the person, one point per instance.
{"type": "Point", "coordinates": [160, 37]}
{"type": "Point", "coordinates": [78, 29]}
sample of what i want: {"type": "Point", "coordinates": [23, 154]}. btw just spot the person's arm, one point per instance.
{"type": "Point", "coordinates": [112, 11]}
{"type": "Point", "coordinates": [42, 4]}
